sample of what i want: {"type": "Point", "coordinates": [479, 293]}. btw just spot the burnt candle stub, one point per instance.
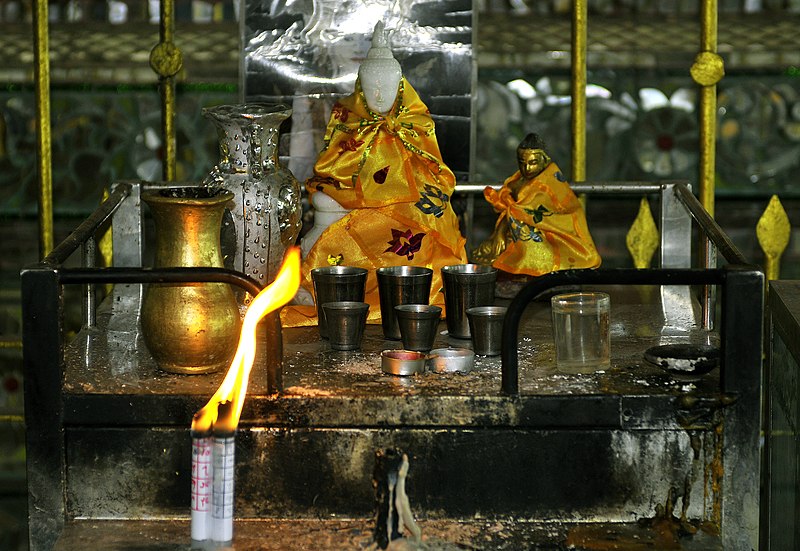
{"type": "Point", "coordinates": [393, 515]}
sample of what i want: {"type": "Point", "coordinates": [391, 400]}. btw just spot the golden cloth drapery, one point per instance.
{"type": "Point", "coordinates": [388, 170]}
{"type": "Point", "coordinates": [544, 229]}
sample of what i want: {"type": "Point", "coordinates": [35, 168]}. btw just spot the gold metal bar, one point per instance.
{"type": "Point", "coordinates": [41, 67]}
{"type": "Point", "coordinates": [11, 343]}
{"type": "Point", "coordinates": [707, 71]}
{"type": "Point", "coordinates": [166, 60]}
{"type": "Point", "coordinates": [168, 116]}
{"type": "Point", "coordinates": [708, 32]}
{"type": "Point", "coordinates": [15, 419]}
{"type": "Point", "coordinates": [579, 25]}
{"type": "Point", "coordinates": [708, 139]}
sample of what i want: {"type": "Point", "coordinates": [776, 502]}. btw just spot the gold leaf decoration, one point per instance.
{"type": "Point", "coordinates": [773, 230]}
{"type": "Point", "coordinates": [642, 239]}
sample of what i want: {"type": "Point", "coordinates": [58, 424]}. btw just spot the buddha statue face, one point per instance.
{"type": "Point", "coordinates": [531, 162]}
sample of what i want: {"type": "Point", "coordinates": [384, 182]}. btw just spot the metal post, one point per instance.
{"type": "Point", "coordinates": [274, 351]}
{"type": "Point", "coordinates": [707, 70]}
{"type": "Point", "coordinates": [742, 349]}
{"type": "Point", "coordinates": [41, 68]}
{"type": "Point", "coordinates": [579, 24]}
{"type": "Point", "coordinates": [676, 252]}
{"type": "Point", "coordinates": [126, 229]}
{"type": "Point", "coordinates": [166, 60]}
{"type": "Point", "coordinates": [89, 299]}
{"type": "Point", "coordinates": [676, 230]}
{"type": "Point", "coordinates": [44, 433]}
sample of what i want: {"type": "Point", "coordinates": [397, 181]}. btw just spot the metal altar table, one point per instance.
{"type": "Point", "coordinates": [501, 458]}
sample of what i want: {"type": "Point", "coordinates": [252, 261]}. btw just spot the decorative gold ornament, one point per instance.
{"type": "Point", "coordinates": [773, 231]}
{"type": "Point", "coordinates": [642, 239]}
{"type": "Point", "coordinates": [166, 59]}
{"type": "Point", "coordinates": [707, 69]}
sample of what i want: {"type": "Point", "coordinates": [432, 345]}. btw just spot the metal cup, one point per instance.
{"type": "Point", "coordinates": [336, 284]}
{"type": "Point", "coordinates": [401, 285]}
{"type": "Point", "coordinates": [465, 286]}
{"type": "Point", "coordinates": [346, 322]}
{"type": "Point", "coordinates": [486, 326]}
{"type": "Point", "coordinates": [418, 325]}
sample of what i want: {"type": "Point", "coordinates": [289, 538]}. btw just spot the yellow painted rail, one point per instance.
{"type": "Point", "coordinates": [41, 69]}
{"type": "Point", "coordinates": [579, 33]}
{"type": "Point", "coordinates": [166, 60]}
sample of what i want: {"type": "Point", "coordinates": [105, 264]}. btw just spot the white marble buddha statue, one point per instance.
{"type": "Point", "coordinates": [379, 77]}
{"type": "Point", "coordinates": [380, 73]}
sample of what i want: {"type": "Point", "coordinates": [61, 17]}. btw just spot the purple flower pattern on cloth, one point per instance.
{"type": "Point", "coordinates": [432, 201]}
{"type": "Point", "coordinates": [405, 243]}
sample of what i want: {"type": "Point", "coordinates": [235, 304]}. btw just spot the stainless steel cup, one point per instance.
{"type": "Point", "coordinates": [336, 284]}
{"type": "Point", "coordinates": [465, 286]}
{"type": "Point", "coordinates": [486, 326]}
{"type": "Point", "coordinates": [401, 285]}
{"type": "Point", "coordinates": [346, 321]}
{"type": "Point", "coordinates": [418, 325]}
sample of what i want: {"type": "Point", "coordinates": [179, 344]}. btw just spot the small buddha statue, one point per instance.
{"type": "Point", "coordinates": [541, 226]}
{"type": "Point", "coordinates": [382, 173]}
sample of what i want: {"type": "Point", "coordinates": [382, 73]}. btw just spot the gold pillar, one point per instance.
{"type": "Point", "coordinates": [166, 60]}
{"type": "Point", "coordinates": [579, 23]}
{"type": "Point", "coordinates": [707, 70]}
{"type": "Point", "coordinates": [41, 68]}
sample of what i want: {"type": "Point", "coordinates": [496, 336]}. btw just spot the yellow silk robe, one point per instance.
{"type": "Point", "coordinates": [389, 171]}
{"type": "Point", "coordinates": [546, 226]}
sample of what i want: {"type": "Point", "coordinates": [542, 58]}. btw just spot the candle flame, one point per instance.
{"type": "Point", "coordinates": [234, 385]}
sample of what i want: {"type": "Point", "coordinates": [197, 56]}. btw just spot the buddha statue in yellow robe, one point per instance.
{"type": "Point", "coordinates": [541, 226]}
{"type": "Point", "coordinates": [381, 163]}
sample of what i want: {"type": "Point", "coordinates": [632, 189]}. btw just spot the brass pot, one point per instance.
{"type": "Point", "coordinates": [189, 327]}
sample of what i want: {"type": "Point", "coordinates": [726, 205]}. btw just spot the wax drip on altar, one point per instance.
{"type": "Point", "coordinates": [393, 517]}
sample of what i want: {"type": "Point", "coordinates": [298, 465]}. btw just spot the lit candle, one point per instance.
{"type": "Point", "coordinates": [222, 495]}
{"type": "Point", "coordinates": [214, 426]}
{"type": "Point", "coordinates": [201, 485]}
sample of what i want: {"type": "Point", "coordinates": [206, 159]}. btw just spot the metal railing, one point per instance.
{"type": "Point", "coordinates": [677, 207]}
{"type": "Point", "coordinates": [674, 217]}
{"type": "Point", "coordinates": [741, 334]}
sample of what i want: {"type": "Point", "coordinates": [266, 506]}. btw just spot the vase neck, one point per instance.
{"type": "Point", "coordinates": [248, 138]}
{"type": "Point", "coordinates": [247, 147]}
